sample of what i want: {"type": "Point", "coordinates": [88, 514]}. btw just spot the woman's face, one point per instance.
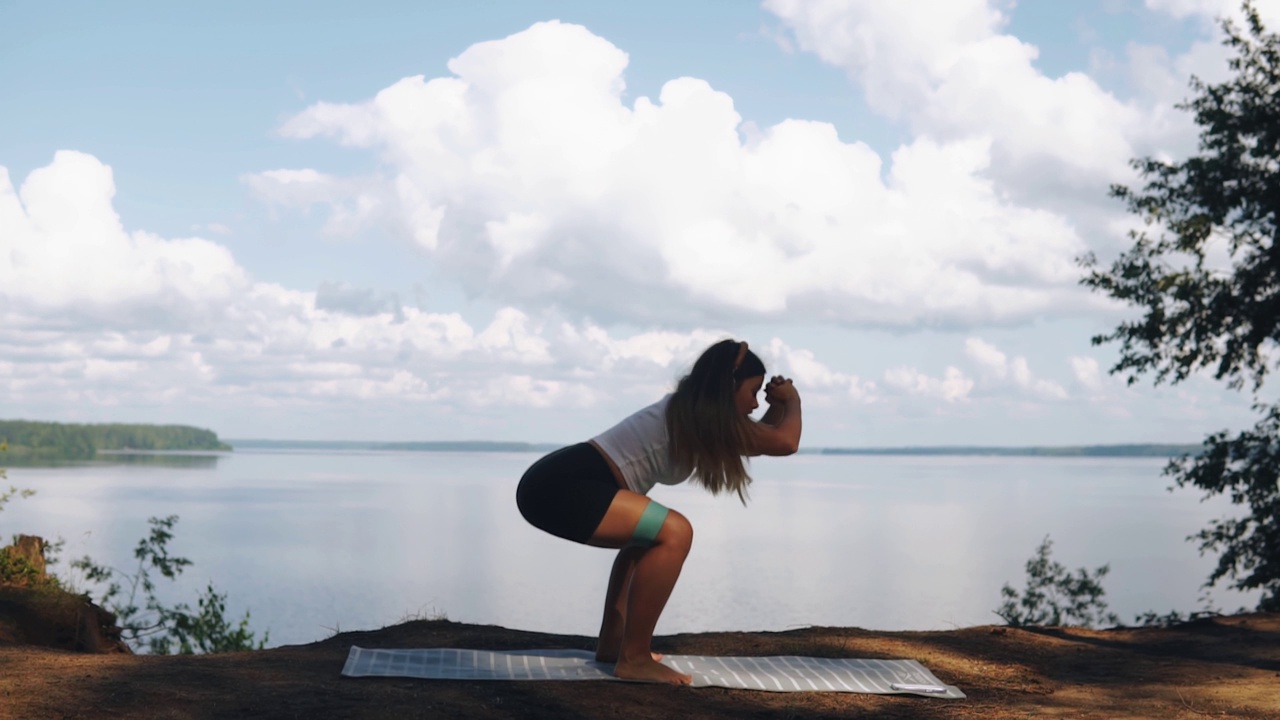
{"type": "Point", "coordinates": [745, 396]}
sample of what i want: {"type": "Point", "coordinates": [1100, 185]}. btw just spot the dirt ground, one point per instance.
{"type": "Point", "coordinates": [1220, 667]}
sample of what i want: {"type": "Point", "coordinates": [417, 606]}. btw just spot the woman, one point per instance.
{"type": "Point", "coordinates": [594, 492]}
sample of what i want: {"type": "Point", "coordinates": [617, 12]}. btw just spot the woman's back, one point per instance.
{"type": "Point", "coordinates": [640, 448]}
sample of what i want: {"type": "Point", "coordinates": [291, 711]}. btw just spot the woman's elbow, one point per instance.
{"type": "Point", "coordinates": [785, 447]}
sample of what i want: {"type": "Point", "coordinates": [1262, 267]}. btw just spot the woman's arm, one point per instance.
{"type": "Point", "coordinates": [779, 434]}
{"type": "Point", "coordinates": [774, 414]}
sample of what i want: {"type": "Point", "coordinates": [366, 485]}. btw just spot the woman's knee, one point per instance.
{"type": "Point", "coordinates": [676, 531]}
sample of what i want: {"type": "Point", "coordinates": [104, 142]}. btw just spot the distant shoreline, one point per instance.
{"type": "Point", "coordinates": [426, 446]}
{"type": "Point", "coordinates": [37, 442]}
{"type": "Point", "coordinates": [1120, 450]}
{"type": "Point", "coordinates": [1117, 450]}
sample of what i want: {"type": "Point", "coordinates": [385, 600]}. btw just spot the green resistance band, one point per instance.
{"type": "Point", "coordinates": [646, 532]}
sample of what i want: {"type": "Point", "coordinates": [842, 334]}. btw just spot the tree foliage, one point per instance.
{"type": "Point", "coordinates": [69, 441]}
{"type": "Point", "coordinates": [132, 597]}
{"type": "Point", "coordinates": [1054, 596]}
{"type": "Point", "coordinates": [1206, 273]}
{"type": "Point", "coordinates": [166, 629]}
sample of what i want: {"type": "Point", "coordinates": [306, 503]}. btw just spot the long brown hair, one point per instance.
{"type": "Point", "coordinates": [707, 433]}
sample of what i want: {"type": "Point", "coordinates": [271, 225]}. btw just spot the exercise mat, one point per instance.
{"type": "Point", "coordinates": [774, 673]}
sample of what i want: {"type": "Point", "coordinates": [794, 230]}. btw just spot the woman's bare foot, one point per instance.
{"type": "Point", "coordinates": [650, 671]}
{"type": "Point", "coordinates": [608, 652]}
{"type": "Point", "coordinates": [608, 645]}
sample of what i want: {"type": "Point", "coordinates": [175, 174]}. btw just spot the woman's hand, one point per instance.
{"type": "Point", "coordinates": [780, 390]}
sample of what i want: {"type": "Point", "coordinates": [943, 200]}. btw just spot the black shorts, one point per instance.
{"type": "Point", "coordinates": [568, 492]}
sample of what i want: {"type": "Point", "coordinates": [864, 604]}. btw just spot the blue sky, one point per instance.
{"type": "Point", "coordinates": [886, 206]}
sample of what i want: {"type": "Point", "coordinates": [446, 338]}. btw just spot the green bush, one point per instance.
{"type": "Point", "coordinates": [165, 630]}
{"type": "Point", "coordinates": [1054, 596]}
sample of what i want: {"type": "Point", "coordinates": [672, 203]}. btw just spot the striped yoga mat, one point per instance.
{"type": "Point", "coordinates": [776, 673]}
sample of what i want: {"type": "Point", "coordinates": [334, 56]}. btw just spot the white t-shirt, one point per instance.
{"type": "Point", "coordinates": [639, 447]}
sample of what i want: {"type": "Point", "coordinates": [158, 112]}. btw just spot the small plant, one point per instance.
{"type": "Point", "coordinates": [1207, 609]}
{"type": "Point", "coordinates": [166, 630]}
{"type": "Point", "coordinates": [1151, 618]}
{"type": "Point", "coordinates": [12, 492]}
{"type": "Point", "coordinates": [433, 615]}
{"type": "Point", "coordinates": [207, 631]}
{"type": "Point", "coordinates": [15, 570]}
{"type": "Point", "coordinates": [1054, 596]}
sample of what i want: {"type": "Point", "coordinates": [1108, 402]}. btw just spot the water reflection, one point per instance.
{"type": "Point", "coordinates": [172, 459]}
{"type": "Point", "coordinates": [313, 542]}
{"type": "Point", "coordinates": [175, 459]}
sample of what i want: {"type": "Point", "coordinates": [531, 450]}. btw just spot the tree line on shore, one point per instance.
{"type": "Point", "coordinates": [31, 440]}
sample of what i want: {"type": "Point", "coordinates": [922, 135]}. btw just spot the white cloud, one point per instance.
{"type": "Point", "coordinates": [1211, 10]}
{"type": "Point", "coordinates": [987, 356]}
{"type": "Point", "coordinates": [344, 298]}
{"type": "Point", "coordinates": [997, 367]}
{"type": "Point", "coordinates": [952, 387]}
{"type": "Point", "coordinates": [951, 70]}
{"type": "Point", "coordinates": [215, 228]}
{"type": "Point", "coordinates": [510, 338]}
{"type": "Point", "coordinates": [302, 187]}
{"type": "Point", "coordinates": [353, 203]}
{"type": "Point", "coordinates": [527, 178]}
{"type": "Point", "coordinates": [95, 313]}
{"type": "Point", "coordinates": [947, 67]}
{"type": "Point", "coordinates": [1043, 388]}
{"type": "Point", "coordinates": [270, 347]}
{"type": "Point", "coordinates": [1087, 373]}
{"type": "Point", "coordinates": [810, 373]}
{"type": "Point", "coordinates": [65, 251]}
{"type": "Point", "coordinates": [526, 391]}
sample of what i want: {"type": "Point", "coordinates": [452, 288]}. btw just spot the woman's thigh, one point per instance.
{"type": "Point", "coordinates": [618, 526]}
{"type": "Point", "coordinates": [568, 493]}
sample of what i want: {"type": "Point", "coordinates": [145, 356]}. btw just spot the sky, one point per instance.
{"type": "Point", "coordinates": [525, 220]}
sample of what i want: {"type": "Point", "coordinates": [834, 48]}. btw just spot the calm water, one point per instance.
{"type": "Point", "coordinates": [313, 542]}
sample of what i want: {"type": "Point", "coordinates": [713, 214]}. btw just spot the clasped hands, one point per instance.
{"type": "Point", "coordinates": [779, 390]}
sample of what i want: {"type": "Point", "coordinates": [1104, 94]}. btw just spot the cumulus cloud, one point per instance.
{"type": "Point", "coordinates": [239, 341]}
{"type": "Point", "coordinates": [1164, 78]}
{"type": "Point", "coordinates": [952, 71]}
{"type": "Point", "coordinates": [953, 387]}
{"type": "Point", "coordinates": [67, 255]}
{"type": "Point", "coordinates": [808, 372]}
{"type": "Point", "coordinates": [526, 391]}
{"type": "Point", "coordinates": [1087, 373]}
{"type": "Point", "coordinates": [998, 368]}
{"type": "Point", "coordinates": [239, 345]}
{"type": "Point", "coordinates": [343, 298]}
{"type": "Point", "coordinates": [352, 203]}
{"type": "Point", "coordinates": [1268, 10]}
{"type": "Point", "coordinates": [987, 357]}
{"type": "Point", "coordinates": [92, 312]}
{"type": "Point", "coordinates": [948, 68]}
{"type": "Point", "coordinates": [526, 177]}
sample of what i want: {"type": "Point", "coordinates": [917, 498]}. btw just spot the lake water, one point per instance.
{"type": "Point", "coordinates": [313, 541]}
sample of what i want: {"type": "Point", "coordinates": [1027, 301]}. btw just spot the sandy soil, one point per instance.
{"type": "Point", "coordinates": [1221, 667]}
